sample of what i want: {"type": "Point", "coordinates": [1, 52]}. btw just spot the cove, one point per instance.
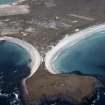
{"type": "Point", "coordinates": [83, 53]}
{"type": "Point", "coordinates": [18, 61]}
{"type": "Point", "coordinates": [86, 56]}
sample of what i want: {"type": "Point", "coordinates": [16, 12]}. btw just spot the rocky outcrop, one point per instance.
{"type": "Point", "coordinates": [75, 86]}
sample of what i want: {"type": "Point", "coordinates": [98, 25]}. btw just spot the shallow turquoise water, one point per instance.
{"type": "Point", "coordinates": [86, 56]}
{"type": "Point", "coordinates": [6, 1]}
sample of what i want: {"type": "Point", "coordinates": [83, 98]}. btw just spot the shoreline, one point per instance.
{"type": "Point", "coordinates": [73, 39]}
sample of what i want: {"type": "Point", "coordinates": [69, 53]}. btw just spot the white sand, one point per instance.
{"type": "Point", "coordinates": [71, 40]}
{"type": "Point", "coordinates": [8, 10]}
{"type": "Point", "coordinates": [36, 59]}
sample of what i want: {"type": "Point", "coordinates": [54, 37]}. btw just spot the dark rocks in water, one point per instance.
{"type": "Point", "coordinates": [77, 72]}
{"type": "Point", "coordinates": [55, 100]}
{"type": "Point", "coordinates": [88, 99]}
{"type": "Point", "coordinates": [9, 99]}
{"type": "Point", "coordinates": [98, 98]}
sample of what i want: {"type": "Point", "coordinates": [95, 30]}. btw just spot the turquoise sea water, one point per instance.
{"type": "Point", "coordinates": [87, 56]}
{"type": "Point", "coordinates": [6, 1]}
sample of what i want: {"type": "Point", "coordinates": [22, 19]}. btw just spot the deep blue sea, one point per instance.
{"type": "Point", "coordinates": [14, 66]}
{"type": "Point", "coordinates": [6, 1]}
